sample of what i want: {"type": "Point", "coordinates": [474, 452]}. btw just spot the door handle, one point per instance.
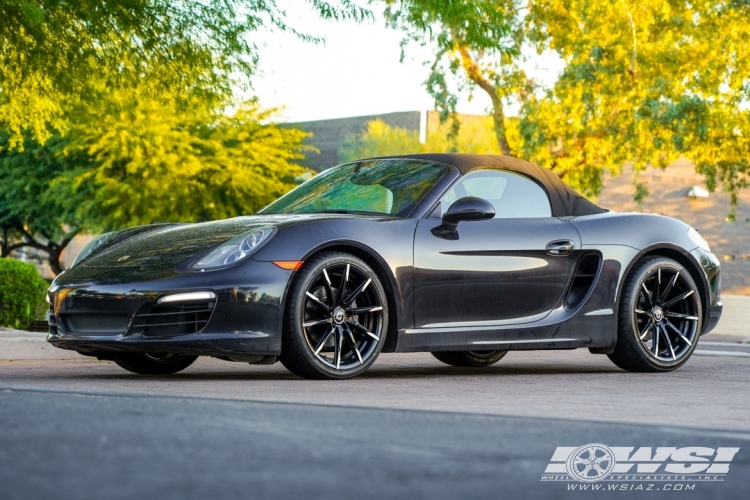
{"type": "Point", "coordinates": [560, 247]}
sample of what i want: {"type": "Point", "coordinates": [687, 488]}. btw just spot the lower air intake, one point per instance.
{"type": "Point", "coordinates": [174, 319]}
{"type": "Point", "coordinates": [92, 324]}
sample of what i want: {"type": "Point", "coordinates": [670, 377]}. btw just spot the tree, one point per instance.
{"type": "Point", "coordinates": [643, 82]}
{"type": "Point", "coordinates": [455, 28]}
{"type": "Point", "coordinates": [149, 164]}
{"type": "Point", "coordinates": [111, 113]}
{"type": "Point", "coordinates": [30, 214]}
{"type": "Point", "coordinates": [155, 165]}
{"type": "Point", "coordinates": [57, 56]}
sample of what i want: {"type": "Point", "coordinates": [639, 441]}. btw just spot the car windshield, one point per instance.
{"type": "Point", "coordinates": [392, 186]}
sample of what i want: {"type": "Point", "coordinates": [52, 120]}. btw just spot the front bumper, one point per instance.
{"type": "Point", "coordinates": [245, 317]}
{"type": "Point", "coordinates": [220, 345]}
{"type": "Point", "coordinates": [711, 267]}
{"type": "Point", "coordinates": [713, 316]}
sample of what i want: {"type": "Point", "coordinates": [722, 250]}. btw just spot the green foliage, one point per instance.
{"type": "Point", "coordinates": [454, 28]}
{"type": "Point", "coordinates": [641, 193]}
{"type": "Point", "coordinates": [480, 24]}
{"type": "Point", "coordinates": [31, 214]}
{"type": "Point", "coordinates": [473, 136]}
{"type": "Point", "coordinates": [152, 164]}
{"type": "Point", "coordinates": [380, 139]}
{"type": "Point", "coordinates": [643, 82]}
{"type": "Point", "coordinates": [22, 292]}
{"type": "Point", "coordinates": [57, 58]}
{"type": "Point", "coordinates": [25, 198]}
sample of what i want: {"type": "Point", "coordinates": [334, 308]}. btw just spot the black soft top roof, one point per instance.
{"type": "Point", "coordinates": [564, 200]}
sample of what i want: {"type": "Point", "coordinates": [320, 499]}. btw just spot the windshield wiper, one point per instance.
{"type": "Point", "coordinates": [341, 211]}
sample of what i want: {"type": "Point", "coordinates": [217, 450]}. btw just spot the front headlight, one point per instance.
{"type": "Point", "coordinates": [91, 247]}
{"type": "Point", "coordinates": [696, 238]}
{"type": "Point", "coordinates": [236, 249]}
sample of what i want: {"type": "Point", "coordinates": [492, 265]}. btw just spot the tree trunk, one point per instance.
{"type": "Point", "coordinates": [53, 250]}
{"type": "Point", "coordinates": [498, 119]}
{"type": "Point", "coordinates": [54, 261]}
{"type": "Point", "coordinates": [474, 73]}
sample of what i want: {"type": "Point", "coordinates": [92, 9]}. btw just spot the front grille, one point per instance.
{"type": "Point", "coordinates": [173, 319]}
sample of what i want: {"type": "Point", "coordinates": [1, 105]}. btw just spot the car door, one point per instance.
{"type": "Point", "coordinates": [506, 270]}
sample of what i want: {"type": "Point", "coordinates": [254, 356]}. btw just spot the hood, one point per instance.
{"type": "Point", "coordinates": [159, 253]}
{"type": "Point", "coordinates": [171, 246]}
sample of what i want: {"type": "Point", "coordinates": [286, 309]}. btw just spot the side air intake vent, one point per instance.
{"type": "Point", "coordinates": [174, 319]}
{"type": "Point", "coordinates": [586, 271]}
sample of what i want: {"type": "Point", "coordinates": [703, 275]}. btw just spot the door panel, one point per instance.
{"type": "Point", "coordinates": [490, 272]}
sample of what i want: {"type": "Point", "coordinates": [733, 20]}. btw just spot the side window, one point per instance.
{"type": "Point", "coordinates": [513, 196]}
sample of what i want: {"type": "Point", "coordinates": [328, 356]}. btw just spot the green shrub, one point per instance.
{"type": "Point", "coordinates": [22, 292]}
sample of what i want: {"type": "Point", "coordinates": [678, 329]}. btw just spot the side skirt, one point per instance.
{"type": "Point", "coordinates": [593, 332]}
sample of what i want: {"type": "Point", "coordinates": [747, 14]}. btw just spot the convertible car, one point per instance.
{"type": "Point", "coordinates": [463, 256]}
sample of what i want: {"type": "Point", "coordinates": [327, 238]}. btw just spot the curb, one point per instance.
{"type": "Point", "coordinates": [735, 319]}
{"type": "Point", "coordinates": [19, 344]}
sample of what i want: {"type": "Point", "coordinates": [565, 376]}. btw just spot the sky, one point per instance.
{"type": "Point", "coordinates": [356, 72]}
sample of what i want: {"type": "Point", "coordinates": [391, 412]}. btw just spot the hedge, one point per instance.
{"type": "Point", "coordinates": [22, 292]}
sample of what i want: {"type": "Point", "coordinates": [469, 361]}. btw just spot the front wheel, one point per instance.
{"type": "Point", "coordinates": [469, 358]}
{"type": "Point", "coordinates": [154, 363]}
{"type": "Point", "coordinates": [336, 318]}
{"type": "Point", "coordinates": [660, 317]}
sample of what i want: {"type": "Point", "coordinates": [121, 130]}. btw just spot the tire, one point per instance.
{"type": "Point", "coordinates": [469, 358]}
{"type": "Point", "coordinates": [154, 364]}
{"type": "Point", "coordinates": [335, 320]}
{"type": "Point", "coordinates": [660, 317]}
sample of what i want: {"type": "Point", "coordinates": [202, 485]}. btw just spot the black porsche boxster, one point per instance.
{"type": "Point", "coordinates": [463, 256]}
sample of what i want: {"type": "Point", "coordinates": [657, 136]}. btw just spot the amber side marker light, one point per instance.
{"type": "Point", "coordinates": [289, 265]}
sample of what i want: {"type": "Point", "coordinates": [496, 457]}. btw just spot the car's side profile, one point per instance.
{"type": "Point", "coordinates": [464, 256]}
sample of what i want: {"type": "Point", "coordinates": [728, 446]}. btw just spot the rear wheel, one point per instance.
{"type": "Point", "coordinates": [154, 363]}
{"type": "Point", "coordinates": [660, 317]}
{"type": "Point", "coordinates": [469, 358]}
{"type": "Point", "coordinates": [336, 318]}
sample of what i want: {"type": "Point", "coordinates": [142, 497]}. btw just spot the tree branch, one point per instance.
{"type": "Point", "coordinates": [29, 237]}
{"type": "Point", "coordinates": [633, 67]}
{"type": "Point", "coordinates": [10, 248]}
{"type": "Point", "coordinates": [52, 249]}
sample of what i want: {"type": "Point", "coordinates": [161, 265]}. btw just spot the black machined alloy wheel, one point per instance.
{"type": "Point", "coordinates": [475, 359]}
{"type": "Point", "coordinates": [336, 318]}
{"type": "Point", "coordinates": [660, 317]}
{"type": "Point", "coordinates": [154, 363]}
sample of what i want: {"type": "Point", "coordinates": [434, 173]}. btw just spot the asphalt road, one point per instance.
{"type": "Point", "coordinates": [409, 428]}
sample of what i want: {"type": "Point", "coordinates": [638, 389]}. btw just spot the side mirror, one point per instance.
{"type": "Point", "coordinates": [469, 208]}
